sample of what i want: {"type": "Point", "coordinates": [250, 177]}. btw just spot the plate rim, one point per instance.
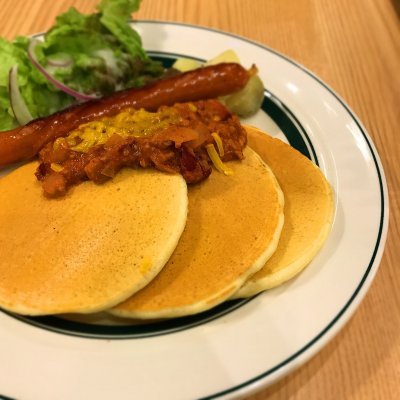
{"type": "Point", "coordinates": [345, 313]}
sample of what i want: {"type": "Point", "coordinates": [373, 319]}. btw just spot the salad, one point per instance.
{"type": "Point", "coordinates": [80, 57]}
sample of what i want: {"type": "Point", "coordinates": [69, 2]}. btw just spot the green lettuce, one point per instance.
{"type": "Point", "coordinates": [40, 96]}
{"type": "Point", "coordinates": [114, 15]}
{"type": "Point", "coordinates": [100, 53]}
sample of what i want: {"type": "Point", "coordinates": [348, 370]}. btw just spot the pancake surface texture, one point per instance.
{"type": "Point", "coordinates": [91, 249]}
{"type": "Point", "coordinates": [233, 227]}
{"type": "Point", "coordinates": [308, 212]}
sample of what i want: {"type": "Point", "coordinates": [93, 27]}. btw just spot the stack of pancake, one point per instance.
{"type": "Point", "coordinates": [143, 245]}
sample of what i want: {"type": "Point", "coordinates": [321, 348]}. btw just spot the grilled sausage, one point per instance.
{"type": "Point", "coordinates": [209, 82]}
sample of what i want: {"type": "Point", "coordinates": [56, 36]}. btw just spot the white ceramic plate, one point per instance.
{"type": "Point", "coordinates": [244, 345]}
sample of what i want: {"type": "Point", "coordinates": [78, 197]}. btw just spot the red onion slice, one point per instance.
{"type": "Point", "coordinates": [78, 95]}
{"type": "Point", "coordinates": [18, 105]}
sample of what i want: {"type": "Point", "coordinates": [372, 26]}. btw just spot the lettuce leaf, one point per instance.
{"type": "Point", "coordinates": [7, 120]}
{"type": "Point", "coordinates": [114, 16]}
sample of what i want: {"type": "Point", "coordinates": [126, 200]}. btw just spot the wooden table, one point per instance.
{"type": "Point", "coordinates": [354, 46]}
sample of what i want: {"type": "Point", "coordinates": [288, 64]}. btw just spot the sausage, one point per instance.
{"type": "Point", "coordinates": [204, 83]}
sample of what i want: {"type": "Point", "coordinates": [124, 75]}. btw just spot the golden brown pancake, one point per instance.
{"type": "Point", "coordinates": [233, 227]}
{"type": "Point", "coordinates": [308, 212]}
{"type": "Point", "coordinates": [91, 249]}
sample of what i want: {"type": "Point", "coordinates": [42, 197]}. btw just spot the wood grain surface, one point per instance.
{"type": "Point", "coordinates": [354, 46]}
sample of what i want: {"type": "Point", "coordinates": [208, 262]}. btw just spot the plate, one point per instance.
{"type": "Point", "coordinates": [241, 346]}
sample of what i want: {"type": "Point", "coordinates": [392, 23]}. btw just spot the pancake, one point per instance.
{"type": "Point", "coordinates": [308, 212]}
{"type": "Point", "coordinates": [91, 249]}
{"type": "Point", "coordinates": [233, 227]}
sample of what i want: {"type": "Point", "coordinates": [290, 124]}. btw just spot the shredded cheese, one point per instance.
{"type": "Point", "coordinates": [219, 143]}
{"type": "Point", "coordinates": [192, 107]}
{"type": "Point", "coordinates": [130, 122]}
{"type": "Point", "coordinates": [216, 160]}
{"type": "Point", "coordinates": [56, 167]}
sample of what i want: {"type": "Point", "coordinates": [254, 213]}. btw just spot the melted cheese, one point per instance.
{"type": "Point", "coordinates": [130, 122]}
